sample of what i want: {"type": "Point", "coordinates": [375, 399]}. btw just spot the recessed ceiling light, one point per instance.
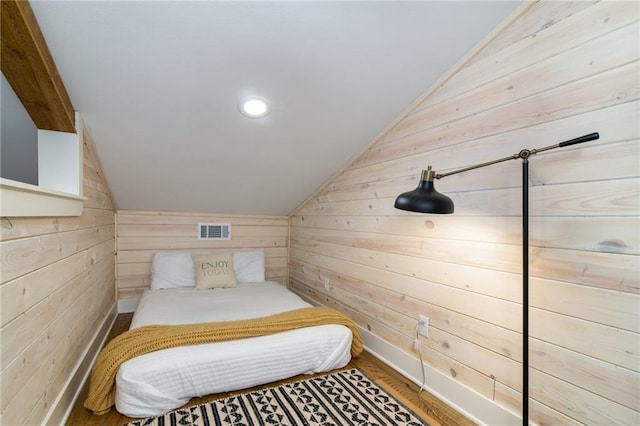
{"type": "Point", "coordinates": [254, 107]}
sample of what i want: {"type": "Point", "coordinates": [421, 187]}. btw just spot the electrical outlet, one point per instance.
{"type": "Point", "coordinates": [423, 326]}
{"type": "Point", "coordinates": [327, 285]}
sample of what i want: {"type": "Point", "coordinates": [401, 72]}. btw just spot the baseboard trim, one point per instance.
{"type": "Point", "coordinates": [459, 397]}
{"type": "Point", "coordinates": [126, 306]}
{"type": "Point", "coordinates": [62, 406]}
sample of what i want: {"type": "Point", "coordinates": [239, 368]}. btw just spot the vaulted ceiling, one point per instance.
{"type": "Point", "coordinates": [158, 86]}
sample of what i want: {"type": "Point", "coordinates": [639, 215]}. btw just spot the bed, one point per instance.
{"type": "Point", "coordinates": [160, 381]}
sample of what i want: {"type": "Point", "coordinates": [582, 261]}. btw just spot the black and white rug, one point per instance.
{"type": "Point", "coordinates": [343, 398]}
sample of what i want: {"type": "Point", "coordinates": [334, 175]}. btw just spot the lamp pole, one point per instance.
{"type": "Point", "coordinates": [525, 291]}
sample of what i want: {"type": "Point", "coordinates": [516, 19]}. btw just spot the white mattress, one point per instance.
{"type": "Point", "coordinates": [164, 380]}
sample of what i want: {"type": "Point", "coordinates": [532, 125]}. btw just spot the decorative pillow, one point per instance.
{"type": "Point", "coordinates": [214, 270]}
{"type": "Point", "coordinates": [172, 270]}
{"type": "Point", "coordinates": [249, 266]}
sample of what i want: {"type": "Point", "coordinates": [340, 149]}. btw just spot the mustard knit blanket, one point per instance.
{"type": "Point", "coordinates": [151, 338]}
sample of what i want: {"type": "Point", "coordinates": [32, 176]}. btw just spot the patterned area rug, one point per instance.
{"type": "Point", "coordinates": [343, 398]}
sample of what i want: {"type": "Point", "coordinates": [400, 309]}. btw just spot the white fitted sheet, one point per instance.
{"type": "Point", "coordinates": [160, 381]}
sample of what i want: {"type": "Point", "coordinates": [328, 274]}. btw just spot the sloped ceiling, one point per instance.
{"type": "Point", "coordinates": [158, 85]}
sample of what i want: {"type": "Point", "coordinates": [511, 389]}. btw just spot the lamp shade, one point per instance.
{"type": "Point", "coordinates": [425, 198]}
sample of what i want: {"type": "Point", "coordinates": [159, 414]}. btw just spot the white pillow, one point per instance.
{"type": "Point", "coordinates": [172, 270]}
{"type": "Point", "coordinates": [249, 266]}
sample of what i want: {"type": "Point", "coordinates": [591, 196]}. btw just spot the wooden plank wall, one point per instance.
{"type": "Point", "coordinates": [140, 234]}
{"type": "Point", "coordinates": [557, 71]}
{"type": "Point", "coordinates": [58, 286]}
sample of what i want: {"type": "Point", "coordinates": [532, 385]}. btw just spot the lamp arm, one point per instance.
{"type": "Point", "coordinates": [524, 154]}
{"type": "Point", "coordinates": [477, 166]}
{"type": "Point", "coordinates": [581, 139]}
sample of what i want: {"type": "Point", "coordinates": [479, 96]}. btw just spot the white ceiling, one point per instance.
{"type": "Point", "coordinates": [158, 84]}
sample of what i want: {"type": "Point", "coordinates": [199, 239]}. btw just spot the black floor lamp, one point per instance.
{"type": "Point", "coordinates": [425, 199]}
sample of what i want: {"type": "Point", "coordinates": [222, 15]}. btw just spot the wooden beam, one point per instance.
{"type": "Point", "coordinates": [29, 68]}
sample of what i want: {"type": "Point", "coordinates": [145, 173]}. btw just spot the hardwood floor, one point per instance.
{"type": "Point", "coordinates": [426, 405]}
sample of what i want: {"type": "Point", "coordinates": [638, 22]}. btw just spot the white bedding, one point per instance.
{"type": "Point", "coordinates": [164, 380]}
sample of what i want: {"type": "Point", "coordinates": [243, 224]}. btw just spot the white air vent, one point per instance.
{"type": "Point", "coordinates": [214, 231]}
